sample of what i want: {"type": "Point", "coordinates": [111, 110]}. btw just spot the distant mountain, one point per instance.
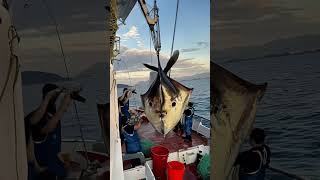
{"type": "Point", "coordinates": [299, 43]}
{"type": "Point", "coordinates": [37, 77]}
{"type": "Point", "coordinates": [123, 86]}
{"type": "Point", "coordinates": [98, 70]}
{"type": "Point", "coordinates": [194, 77]}
{"type": "Point", "coordinates": [185, 78]}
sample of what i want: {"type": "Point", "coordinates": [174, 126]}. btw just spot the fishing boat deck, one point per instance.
{"type": "Point", "coordinates": [173, 141]}
{"type": "Point", "coordinates": [190, 172]}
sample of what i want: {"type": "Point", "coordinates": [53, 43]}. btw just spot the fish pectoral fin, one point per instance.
{"type": "Point", "coordinates": [151, 67]}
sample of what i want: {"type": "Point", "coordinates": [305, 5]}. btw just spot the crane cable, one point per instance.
{"type": "Point", "coordinates": [174, 31]}
{"type": "Point", "coordinates": [50, 14]}
{"type": "Point", "coordinates": [273, 55]}
{"type": "Point", "coordinates": [150, 50]}
{"type": "Point", "coordinates": [127, 69]}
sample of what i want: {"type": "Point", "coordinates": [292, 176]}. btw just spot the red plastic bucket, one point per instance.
{"type": "Point", "coordinates": [175, 170]}
{"type": "Point", "coordinates": [159, 156]}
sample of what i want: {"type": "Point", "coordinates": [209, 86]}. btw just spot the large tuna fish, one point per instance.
{"type": "Point", "coordinates": [166, 99]}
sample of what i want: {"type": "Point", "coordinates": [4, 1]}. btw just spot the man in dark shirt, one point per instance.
{"type": "Point", "coordinates": [43, 134]}
{"type": "Point", "coordinates": [131, 137]}
{"type": "Point", "coordinates": [254, 162]}
{"type": "Point", "coordinates": [124, 112]}
{"type": "Point", "coordinates": [124, 102]}
{"type": "Point", "coordinates": [188, 116]}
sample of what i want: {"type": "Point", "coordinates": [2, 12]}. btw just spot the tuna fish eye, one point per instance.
{"type": "Point", "coordinates": [173, 104]}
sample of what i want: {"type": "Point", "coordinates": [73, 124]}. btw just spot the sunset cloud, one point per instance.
{"type": "Point", "coordinates": [203, 44]}
{"type": "Point", "coordinates": [131, 70]}
{"type": "Point", "coordinates": [190, 49]}
{"type": "Point", "coordinates": [132, 33]}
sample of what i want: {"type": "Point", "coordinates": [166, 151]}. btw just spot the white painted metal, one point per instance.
{"type": "Point", "coordinates": [149, 173]}
{"type": "Point", "coordinates": [13, 165]}
{"type": "Point", "coordinates": [187, 156]}
{"type": "Point", "coordinates": [138, 172]}
{"type": "Point", "coordinates": [205, 131]}
{"type": "Point", "coordinates": [116, 165]}
{"type": "Point", "coordinates": [198, 127]}
{"type": "Point", "coordinates": [195, 125]}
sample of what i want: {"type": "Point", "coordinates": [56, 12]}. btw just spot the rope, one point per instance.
{"type": "Point", "coordinates": [50, 14]}
{"type": "Point", "coordinates": [150, 50]}
{"type": "Point", "coordinates": [6, 82]}
{"type": "Point", "coordinates": [283, 54]}
{"type": "Point", "coordinates": [126, 67]}
{"type": "Point", "coordinates": [175, 25]}
{"type": "Point", "coordinates": [12, 35]}
{"type": "Point", "coordinates": [10, 30]}
{"type": "Point", "coordinates": [68, 77]}
{"type": "Point", "coordinates": [174, 31]}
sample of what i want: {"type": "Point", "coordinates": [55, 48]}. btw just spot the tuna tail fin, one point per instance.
{"type": "Point", "coordinates": [164, 80]}
{"type": "Point", "coordinates": [173, 59]}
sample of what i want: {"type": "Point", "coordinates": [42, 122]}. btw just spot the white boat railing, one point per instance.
{"type": "Point", "coordinates": [116, 166]}
{"type": "Point", "coordinates": [138, 172]}
{"type": "Point", "coordinates": [199, 127]}
{"type": "Point", "coordinates": [149, 173]}
{"type": "Point", "coordinates": [187, 156]}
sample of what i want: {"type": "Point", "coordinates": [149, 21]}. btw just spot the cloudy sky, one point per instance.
{"type": "Point", "coordinates": [192, 40]}
{"type": "Point", "coordinates": [254, 22]}
{"type": "Point", "coordinates": [82, 28]}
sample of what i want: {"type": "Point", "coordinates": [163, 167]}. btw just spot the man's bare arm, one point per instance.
{"type": "Point", "coordinates": [126, 96]}
{"type": "Point", "coordinates": [138, 125]}
{"type": "Point", "coordinates": [123, 96]}
{"type": "Point", "coordinates": [53, 122]}
{"type": "Point", "coordinates": [129, 95]}
{"type": "Point", "coordinates": [39, 112]}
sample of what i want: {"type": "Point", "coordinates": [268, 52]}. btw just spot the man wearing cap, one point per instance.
{"type": "Point", "coordinates": [124, 113]}
{"type": "Point", "coordinates": [43, 134]}
{"type": "Point", "coordinates": [124, 102]}
{"type": "Point", "coordinates": [254, 162]}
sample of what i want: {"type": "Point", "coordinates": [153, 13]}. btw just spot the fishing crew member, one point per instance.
{"type": "Point", "coordinates": [33, 166]}
{"type": "Point", "coordinates": [131, 136]}
{"type": "Point", "coordinates": [44, 129]}
{"type": "Point", "coordinates": [188, 115]}
{"type": "Point", "coordinates": [124, 113]}
{"type": "Point", "coordinates": [124, 101]}
{"type": "Point", "coordinates": [254, 162]}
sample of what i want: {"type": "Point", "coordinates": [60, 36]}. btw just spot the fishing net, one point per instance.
{"type": "Point", "coordinates": [203, 167]}
{"type": "Point", "coordinates": [146, 147]}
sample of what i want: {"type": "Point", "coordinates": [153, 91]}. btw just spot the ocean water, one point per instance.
{"type": "Point", "coordinates": [290, 109]}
